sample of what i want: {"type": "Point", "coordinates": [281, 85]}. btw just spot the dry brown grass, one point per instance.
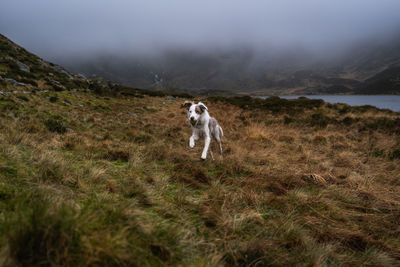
{"type": "Point", "coordinates": [285, 191]}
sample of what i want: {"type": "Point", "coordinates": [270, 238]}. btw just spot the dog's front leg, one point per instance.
{"type": "Point", "coordinates": [191, 142]}
{"type": "Point", "coordinates": [206, 146]}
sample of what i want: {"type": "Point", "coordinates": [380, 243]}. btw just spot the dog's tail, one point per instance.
{"type": "Point", "coordinates": [220, 130]}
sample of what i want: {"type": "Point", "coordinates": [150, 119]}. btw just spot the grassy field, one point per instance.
{"type": "Point", "coordinates": [103, 179]}
{"type": "Point", "coordinates": [110, 180]}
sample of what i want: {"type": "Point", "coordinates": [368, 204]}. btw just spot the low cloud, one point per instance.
{"type": "Point", "coordinates": [62, 29]}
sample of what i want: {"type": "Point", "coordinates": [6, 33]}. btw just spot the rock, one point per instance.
{"type": "Point", "coordinates": [132, 114]}
{"type": "Point", "coordinates": [4, 93]}
{"type": "Point", "coordinates": [61, 70]}
{"type": "Point", "coordinates": [44, 63]}
{"type": "Point", "coordinates": [51, 74]}
{"type": "Point", "coordinates": [22, 66]}
{"type": "Point", "coordinates": [14, 82]}
{"type": "Point", "coordinates": [81, 76]}
{"type": "Point", "coordinates": [67, 74]}
{"type": "Point", "coordinates": [170, 98]}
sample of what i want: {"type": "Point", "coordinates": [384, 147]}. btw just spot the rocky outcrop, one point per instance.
{"type": "Point", "coordinates": [14, 82]}
{"type": "Point", "coordinates": [22, 66]}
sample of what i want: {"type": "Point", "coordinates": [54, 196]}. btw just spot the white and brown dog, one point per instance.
{"type": "Point", "coordinates": [203, 126]}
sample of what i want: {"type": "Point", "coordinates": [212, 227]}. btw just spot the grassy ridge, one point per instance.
{"type": "Point", "coordinates": [110, 180]}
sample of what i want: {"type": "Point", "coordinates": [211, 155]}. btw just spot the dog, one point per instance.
{"type": "Point", "coordinates": [203, 125]}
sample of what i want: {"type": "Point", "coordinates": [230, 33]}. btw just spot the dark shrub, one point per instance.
{"type": "Point", "coordinates": [319, 120]}
{"type": "Point", "coordinates": [8, 104]}
{"type": "Point", "coordinates": [319, 140]}
{"type": "Point", "coordinates": [142, 138]}
{"type": "Point", "coordinates": [57, 88]}
{"type": "Point", "coordinates": [182, 95]}
{"type": "Point", "coordinates": [116, 155]}
{"type": "Point", "coordinates": [287, 120]}
{"type": "Point", "coordinates": [364, 108]}
{"type": "Point", "coordinates": [29, 81]}
{"type": "Point", "coordinates": [383, 123]}
{"type": "Point", "coordinates": [345, 109]}
{"type": "Point", "coordinates": [56, 123]}
{"type": "Point", "coordinates": [154, 93]}
{"type": "Point", "coordinates": [377, 153]}
{"type": "Point", "coordinates": [395, 154]}
{"type": "Point", "coordinates": [101, 107]}
{"type": "Point", "coordinates": [22, 97]}
{"type": "Point", "coordinates": [348, 121]}
{"type": "Point", "coordinates": [273, 103]}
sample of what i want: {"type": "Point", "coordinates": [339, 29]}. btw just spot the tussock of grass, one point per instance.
{"type": "Point", "coordinates": [92, 179]}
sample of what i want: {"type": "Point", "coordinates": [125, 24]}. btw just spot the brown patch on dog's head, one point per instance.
{"type": "Point", "coordinates": [200, 108]}
{"type": "Point", "coordinates": [187, 104]}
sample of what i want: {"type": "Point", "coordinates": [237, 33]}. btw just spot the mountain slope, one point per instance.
{"type": "Point", "coordinates": [30, 72]}
{"type": "Point", "coordinates": [385, 82]}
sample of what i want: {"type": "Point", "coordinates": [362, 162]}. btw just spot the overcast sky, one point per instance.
{"type": "Point", "coordinates": [59, 28]}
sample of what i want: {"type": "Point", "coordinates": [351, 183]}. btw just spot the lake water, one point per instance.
{"type": "Point", "coordinates": [380, 101]}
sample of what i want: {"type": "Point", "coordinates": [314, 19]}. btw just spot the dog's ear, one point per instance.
{"type": "Point", "coordinates": [202, 106]}
{"type": "Point", "coordinates": [187, 104]}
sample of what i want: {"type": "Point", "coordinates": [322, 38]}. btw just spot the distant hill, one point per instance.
{"type": "Point", "coordinates": [385, 82]}
{"type": "Point", "coordinates": [370, 70]}
{"type": "Point", "coordinates": [244, 70]}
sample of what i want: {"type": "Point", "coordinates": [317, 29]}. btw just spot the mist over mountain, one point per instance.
{"type": "Point", "coordinates": [245, 69]}
{"type": "Point", "coordinates": [257, 46]}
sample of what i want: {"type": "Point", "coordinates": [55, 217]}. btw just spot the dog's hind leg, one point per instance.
{"type": "Point", "coordinates": [212, 155]}
{"type": "Point", "coordinates": [218, 134]}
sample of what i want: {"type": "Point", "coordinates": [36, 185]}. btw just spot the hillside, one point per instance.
{"type": "Point", "coordinates": [385, 82]}
{"type": "Point", "coordinates": [94, 173]}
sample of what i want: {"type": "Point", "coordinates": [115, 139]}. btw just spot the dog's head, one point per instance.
{"type": "Point", "coordinates": [194, 111]}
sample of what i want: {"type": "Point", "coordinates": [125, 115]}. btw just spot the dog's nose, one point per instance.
{"type": "Point", "coordinates": [192, 118]}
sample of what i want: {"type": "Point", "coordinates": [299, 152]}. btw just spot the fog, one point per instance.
{"type": "Point", "coordinates": [56, 30]}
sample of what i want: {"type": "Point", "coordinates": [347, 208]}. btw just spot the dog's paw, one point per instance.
{"type": "Point", "coordinates": [203, 157]}
{"type": "Point", "coordinates": [191, 144]}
